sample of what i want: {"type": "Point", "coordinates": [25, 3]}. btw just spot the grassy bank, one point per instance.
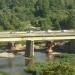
{"type": "Point", "coordinates": [65, 58]}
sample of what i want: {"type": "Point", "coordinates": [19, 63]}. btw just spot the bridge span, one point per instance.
{"type": "Point", "coordinates": [30, 37]}
{"type": "Point", "coordinates": [36, 36]}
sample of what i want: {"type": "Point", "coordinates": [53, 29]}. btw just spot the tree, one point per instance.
{"type": "Point", "coordinates": [71, 20]}
{"type": "Point", "coordinates": [56, 25]}
{"type": "Point", "coordinates": [15, 14]}
{"type": "Point", "coordinates": [42, 8]}
{"type": "Point", "coordinates": [56, 4]}
{"type": "Point", "coordinates": [45, 23]}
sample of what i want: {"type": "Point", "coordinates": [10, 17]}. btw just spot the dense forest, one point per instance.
{"type": "Point", "coordinates": [37, 14]}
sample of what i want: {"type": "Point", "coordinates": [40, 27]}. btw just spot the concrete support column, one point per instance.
{"type": "Point", "coordinates": [29, 52]}
{"type": "Point", "coordinates": [49, 46]}
{"type": "Point", "coordinates": [10, 46]}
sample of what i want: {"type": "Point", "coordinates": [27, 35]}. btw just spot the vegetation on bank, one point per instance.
{"type": "Point", "coordinates": [65, 58]}
{"type": "Point", "coordinates": [37, 14]}
{"type": "Point", "coordinates": [51, 69]}
{"type": "Point", "coordinates": [63, 64]}
{"type": "Point", "coordinates": [3, 73]}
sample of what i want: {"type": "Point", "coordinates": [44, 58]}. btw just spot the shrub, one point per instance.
{"type": "Point", "coordinates": [51, 69]}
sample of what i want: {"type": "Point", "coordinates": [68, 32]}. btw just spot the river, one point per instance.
{"type": "Point", "coordinates": [15, 66]}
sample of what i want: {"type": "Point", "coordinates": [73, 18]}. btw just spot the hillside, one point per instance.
{"type": "Point", "coordinates": [37, 14]}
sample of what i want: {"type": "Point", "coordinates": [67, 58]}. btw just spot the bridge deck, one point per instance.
{"type": "Point", "coordinates": [36, 36]}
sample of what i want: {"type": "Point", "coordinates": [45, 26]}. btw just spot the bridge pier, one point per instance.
{"type": "Point", "coordinates": [49, 46]}
{"type": "Point", "coordinates": [10, 46]}
{"type": "Point", "coordinates": [29, 52]}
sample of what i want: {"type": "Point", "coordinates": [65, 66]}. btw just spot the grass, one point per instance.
{"type": "Point", "coordinates": [3, 73]}
{"type": "Point", "coordinates": [65, 58]}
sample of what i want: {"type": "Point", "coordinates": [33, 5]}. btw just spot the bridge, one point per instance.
{"type": "Point", "coordinates": [34, 36]}
{"type": "Point", "coordinates": [30, 37]}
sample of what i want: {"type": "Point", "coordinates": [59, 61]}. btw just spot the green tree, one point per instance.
{"type": "Point", "coordinates": [14, 13]}
{"type": "Point", "coordinates": [71, 20]}
{"type": "Point", "coordinates": [42, 8]}
{"type": "Point", "coordinates": [45, 23]}
{"type": "Point", "coordinates": [56, 25]}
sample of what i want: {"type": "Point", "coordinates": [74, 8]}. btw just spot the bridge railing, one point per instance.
{"type": "Point", "coordinates": [47, 31]}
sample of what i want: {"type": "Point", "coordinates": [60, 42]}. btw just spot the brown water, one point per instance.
{"type": "Point", "coordinates": [15, 66]}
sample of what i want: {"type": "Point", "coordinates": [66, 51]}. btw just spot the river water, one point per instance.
{"type": "Point", "coordinates": [15, 66]}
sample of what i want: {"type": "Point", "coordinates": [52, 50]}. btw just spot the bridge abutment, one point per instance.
{"type": "Point", "coordinates": [29, 52]}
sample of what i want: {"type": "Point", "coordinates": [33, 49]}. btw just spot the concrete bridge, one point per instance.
{"type": "Point", "coordinates": [30, 37]}
{"type": "Point", "coordinates": [34, 36]}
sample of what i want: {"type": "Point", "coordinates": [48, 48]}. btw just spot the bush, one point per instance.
{"type": "Point", "coordinates": [51, 69]}
{"type": "Point", "coordinates": [3, 73]}
{"type": "Point", "coordinates": [59, 69]}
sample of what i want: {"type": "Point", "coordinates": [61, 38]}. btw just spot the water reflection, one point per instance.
{"type": "Point", "coordinates": [29, 61]}
{"type": "Point", "coordinates": [15, 66]}
{"type": "Point", "coordinates": [10, 62]}
{"type": "Point", "coordinates": [50, 57]}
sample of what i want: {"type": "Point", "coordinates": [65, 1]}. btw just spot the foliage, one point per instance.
{"type": "Point", "coordinates": [3, 73]}
{"type": "Point", "coordinates": [71, 20]}
{"type": "Point", "coordinates": [65, 58]}
{"type": "Point", "coordinates": [19, 14]}
{"type": "Point", "coordinates": [52, 69]}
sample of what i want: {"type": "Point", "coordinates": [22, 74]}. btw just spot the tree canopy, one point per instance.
{"type": "Point", "coordinates": [45, 14]}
